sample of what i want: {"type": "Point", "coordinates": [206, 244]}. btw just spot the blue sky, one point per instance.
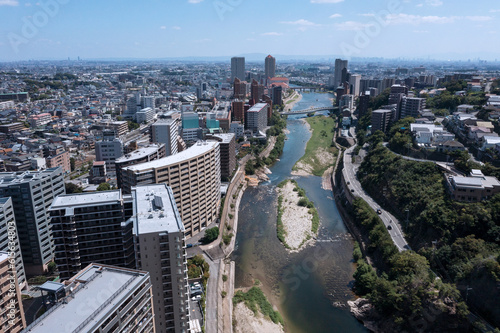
{"type": "Point", "coordinates": [58, 29]}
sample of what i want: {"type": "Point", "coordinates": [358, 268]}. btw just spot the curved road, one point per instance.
{"type": "Point", "coordinates": [350, 170]}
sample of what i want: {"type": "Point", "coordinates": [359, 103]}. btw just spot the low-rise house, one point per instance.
{"type": "Point", "coordinates": [475, 188]}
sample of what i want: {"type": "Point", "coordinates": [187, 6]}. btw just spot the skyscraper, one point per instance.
{"type": "Point", "coordinates": [238, 68]}
{"type": "Point", "coordinates": [166, 131]}
{"type": "Point", "coordinates": [270, 66]}
{"type": "Point", "coordinates": [339, 66]}
{"type": "Point", "coordinates": [32, 193]}
{"type": "Point", "coordinates": [160, 250]}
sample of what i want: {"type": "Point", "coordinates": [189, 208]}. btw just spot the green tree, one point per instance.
{"type": "Point", "coordinates": [72, 188]}
{"type": "Point", "coordinates": [210, 235]}
{"type": "Point", "coordinates": [103, 187]}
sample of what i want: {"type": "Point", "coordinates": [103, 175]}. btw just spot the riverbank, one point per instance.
{"type": "Point", "coordinates": [291, 101]}
{"type": "Point", "coordinates": [295, 217]}
{"type": "Point", "coordinates": [319, 157]}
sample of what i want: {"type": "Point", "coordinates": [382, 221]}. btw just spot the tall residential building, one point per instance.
{"type": "Point", "coordinates": [339, 66]}
{"type": "Point", "coordinates": [238, 110]}
{"type": "Point", "coordinates": [91, 227]}
{"type": "Point", "coordinates": [227, 143]}
{"type": "Point", "coordinates": [239, 89]}
{"type": "Point", "coordinates": [99, 299]}
{"type": "Point", "coordinates": [238, 68]}
{"type": "Point", "coordinates": [193, 175]}
{"type": "Point", "coordinates": [364, 102]}
{"type": "Point", "coordinates": [109, 149]}
{"type": "Point", "coordinates": [256, 117]}
{"type": "Point", "coordinates": [160, 250]}
{"type": "Point", "coordinates": [11, 305]}
{"type": "Point", "coordinates": [9, 239]}
{"type": "Point", "coordinates": [381, 120]}
{"type": "Point", "coordinates": [277, 95]}
{"type": "Point", "coordinates": [166, 131]}
{"type": "Point", "coordinates": [32, 193]}
{"type": "Point", "coordinates": [355, 83]}
{"type": "Point", "coordinates": [411, 106]}
{"type": "Point", "coordinates": [141, 155]}
{"type": "Point", "coordinates": [270, 66]}
{"type": "Point", "coordinates": [256, 91]}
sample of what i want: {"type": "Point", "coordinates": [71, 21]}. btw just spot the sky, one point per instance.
{"type": "Point", "coordinates": [153, 29]}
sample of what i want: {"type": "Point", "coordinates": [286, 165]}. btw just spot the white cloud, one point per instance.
{"type": "Point", "coordinates": [417, 19]}
{"type": "Point", "coordinates": [434, 3]}
{"type": "Point", "coordinates": [421, 31]}
{"type": "Point", "coordinates": [9, 3]}
{"type": "Point", "coordinates": [352, 26]}
{"type": "Point", "coordinates": [494, 10]}
{"type": "Point", "coordinates": [335, 16]}
{"type": "Point", "coordinates": [163, 27]}
{"type": "Point", "coordinates": [175, 27]}
{"type": "Point", "coordinates": [271, 34]}
{"type": "Point", "coordinates": [479, 18]}
{"type": "Point", "coordinates": [195, 1]}
{"type": "Point", "coordinates": [367, 15]}
{"type": "Point", "coordinates": [300, 22]}
{"type": "Point", "coordinates": [326, 1]}
{"type": "Point", "coordinates": [204, 40]}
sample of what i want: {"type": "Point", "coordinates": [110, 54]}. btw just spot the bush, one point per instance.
{"type": "Point", "coordinates": [223, 294]}
{"type": "Point", "coordinates": [224, 277]}
{"type": "Point", "coordinates": [303, 202]}
{"type": "Point", "coordinates": [255, 297]}
{"type": "Point", "coordinates": [210, 235]}
{"type": "Point", "coordinates": [227, 238]}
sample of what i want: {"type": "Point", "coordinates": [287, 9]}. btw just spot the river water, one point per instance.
{"type": "Point", "coordinates": [311, 287]}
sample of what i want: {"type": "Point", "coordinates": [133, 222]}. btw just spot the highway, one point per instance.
{"type": "Point", "coordinates": [350, 171]}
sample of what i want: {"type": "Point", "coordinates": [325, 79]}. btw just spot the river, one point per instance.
{"type": "Point", "coordinates": [305, 285]}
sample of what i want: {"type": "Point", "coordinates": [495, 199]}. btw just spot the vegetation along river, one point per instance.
{"type": "Point", "coordinates": [310, 288]}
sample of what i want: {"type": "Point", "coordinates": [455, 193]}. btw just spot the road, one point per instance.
{"type": "Point", "coordinates": [350, 171]}
{"type": "Point", "coordinates": [211, 318]}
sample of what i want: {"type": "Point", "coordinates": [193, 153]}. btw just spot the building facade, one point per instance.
{"type": "Point", "coordinates": [160, 250]}
{"type": "Point", "coordinates": [193, 175]}
{"type": "Point", "coordinates": [32, 194]}
{"type": "Point", "coordinates": [227, 143]}
{"type": "Point", "coordinates": [11, 305]}
{"type": "Point", "coordinates": [90, 228]}
{"type": "Point", "coordinates": [238, 68]}
{"type": "Point", "coordinates": [109, 149]}
{"type": "Point", "coordinates": [166, 131]}
{"type": "Point", "coordinates": [270, 66]}
{"type": "Point", "coordinates": [141, 155]}
{"type": "Point", "coordinates": [99, 299]}
{"type": "Point", "coordinates": [256, 117]}
{"type": "Point", "coordinates": [9, 239]}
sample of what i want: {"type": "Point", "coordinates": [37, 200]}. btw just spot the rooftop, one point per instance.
{"type": "Point", "coordinates": [9, 178]}
{"type": "Point", "coordinates": [101, 289]}
{"type": "Point", "coordinates": [198, 149]}
{"type": "Point", "coordinates": [86, 199]}
{"type": "Point", "coordinates": [155, 210]}
{"type": "Point", "coordinates": [257, 107]}
{"type": "Point", "coordinates": [139, 153]}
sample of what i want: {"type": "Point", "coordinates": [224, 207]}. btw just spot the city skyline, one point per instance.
{"type": "Point", "coordinates": [62, 29]}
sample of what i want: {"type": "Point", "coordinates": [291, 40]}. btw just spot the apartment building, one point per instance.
{"type": "Point", "coordinates": [11, 305]}
{"type": "Point", "coordinates": [32, 193]}
{"type": "Point", "coordinates": [381, 120]}
{"type": "Point", "coordinates": [11, 128]}
{"type": "Point", "coordinates": [89, 228]}
{"type": "Point", "coordinates": [57, 156]}
{"type": "Point", "coordinates": [109, 149]}
{"type": "Point", "coordinates": [39, 119]}
{"type": "Point", "coordinates": [9, 239]}
{"type": "Point", "coordinates": [193, 175]}
{"type": "Point", "coordinates": [227, 143]}
{"type": "Point", "coordinates": [411, 107]}
{"type": "Point", "coordinates": [166, 131]}
{"type": "Point", "coordinates": [141, 155]}
{"type": "Point", "coordinates": [160, 247]}
{"type": "Point", "coordinates": [474, 188]}
{"type": "Point", "coordinates": [101, 299]}
{"type": "Point", "coordinates": [256, 117]}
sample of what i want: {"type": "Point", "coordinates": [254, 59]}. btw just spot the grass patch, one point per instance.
{"type": "Point", "coordinates": [323, 130]}
{"type": "Point", "coordinates": [255, 299]}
